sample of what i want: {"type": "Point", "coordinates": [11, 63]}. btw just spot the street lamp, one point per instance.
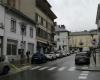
{"type": "Point", "coordinates": [23, 27]}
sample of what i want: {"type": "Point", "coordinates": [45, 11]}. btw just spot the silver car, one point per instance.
{"type": "Point", "coordinates": [4, 65]}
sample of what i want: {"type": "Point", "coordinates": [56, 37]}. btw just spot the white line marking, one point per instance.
{"type": "Point", "coordinates": [26, 67]}
{"type": "Point", "coordinates": [83, 74]}
{"type": "Point", "coordinates": [84, 67]}
{"type": "Point", "coordinates": [42, 68]}
{"type": "Point", "coordinates": [61, 69]}
{"type": "Point", "coordinates": [35, 67]}
{"type": "Point", "coordinates": [82, 77]}
{"type": "Point", "coordinates": [52, 68]}
{"type": "Point", "coordinates": [72, 69]}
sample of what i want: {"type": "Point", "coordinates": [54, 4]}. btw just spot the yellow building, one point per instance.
{"type": "Point", "coordinates": [83, 38]}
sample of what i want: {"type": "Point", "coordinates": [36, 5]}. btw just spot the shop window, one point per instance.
{"type": "Point", "coordinates": [11, 47]}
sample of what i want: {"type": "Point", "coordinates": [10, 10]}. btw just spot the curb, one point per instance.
{"type": "Point", "coordinates": [21, 68]}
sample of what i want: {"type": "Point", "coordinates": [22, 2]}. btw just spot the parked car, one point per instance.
{"type": "Point", "coordinates": [57, 54]}
{"type": "Point", "coordinates": [38, 58]}
{"type": "Point", "coordinates": [4, 65]}
{"type": "Point", "coordinates": [49, 56]}
{"type": "Point", "coordinates": [82, 58]}
{"type": "Point", "coordinates": [60, 54]}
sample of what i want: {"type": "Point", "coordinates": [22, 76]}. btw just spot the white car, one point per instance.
{"type": "Point", "coordinates": [57, 55]}
{"type": "Point", "coordinates": [4, 65]}
{"type": "Point", "coordinates": [50, 55]}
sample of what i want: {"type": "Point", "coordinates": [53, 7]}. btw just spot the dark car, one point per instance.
{"type": "Point", "coordinates": [38, 58]}
{"type": "Point", "coordinates": [82, 58]}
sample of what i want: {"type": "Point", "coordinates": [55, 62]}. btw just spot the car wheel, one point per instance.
{"type": "Point", "coordinates": [6, 70]}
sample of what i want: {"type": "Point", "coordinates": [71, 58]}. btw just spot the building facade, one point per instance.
{"type": "Point", "coordinates": [98, 22]}
{"type": "Point", "coordinates": [39, 11]}
{"type": "Point", "coordinates": [61, 38]}
{"type": "Point", "coordinates": [82, 39]}
{"type": "Point", "coordinates": [17, 31]}
{"type": "Point", "coordinates": [45, 25]}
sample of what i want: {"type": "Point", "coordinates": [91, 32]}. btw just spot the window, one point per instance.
{"type": "Point", "coordinates": [31, 32]}
{"type": "Point", "coordinates": [58, 40]}
{"type": "Point", "coordinates": [13, 25]}
{"type": "Point", "coordinates": [11, 47]}
{"type": "Point", "coordinates": [46, 24]}
{"type": "Point", "coordinates": [36, 17]}
{"type": "Point", "coordinates": [41, 20]}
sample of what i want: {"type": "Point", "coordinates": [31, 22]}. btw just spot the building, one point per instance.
{"type": "Point", "coordinates": [82, 38]}
{"type": "Point", "coordinates": [61, 38]}
{"type": "Point", "coordinates": [45, 25]}
{"type": "Point", "coordinates": [98, 22]}
{"type": "Point", "coordinates": [17, 31]}
{"type": "Point", "coordinates": [42, 15]}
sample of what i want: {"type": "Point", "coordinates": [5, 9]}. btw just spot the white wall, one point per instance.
{"type": "Point", "coordinates": [17, 36]}
{"type": "Point", "coordinates": [63, 36]}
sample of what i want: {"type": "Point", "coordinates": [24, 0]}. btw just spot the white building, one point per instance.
{"type": "Point", "coordinates": [61, 38]}
{"type": "Point", "coordinates": [11, 23]}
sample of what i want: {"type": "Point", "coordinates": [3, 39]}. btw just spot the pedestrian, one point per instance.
{"type": "Point", "coordinates": [27, 54]}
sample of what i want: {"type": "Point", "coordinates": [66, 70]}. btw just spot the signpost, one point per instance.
{"type": "Point", "coordinates": [94, 43]}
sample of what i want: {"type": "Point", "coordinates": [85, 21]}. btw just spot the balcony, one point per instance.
{"type": "Point", "coordinates": [44, 6]}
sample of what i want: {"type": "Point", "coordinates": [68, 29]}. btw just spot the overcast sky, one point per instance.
{"type": "Point", "coordinates": [76, 15]}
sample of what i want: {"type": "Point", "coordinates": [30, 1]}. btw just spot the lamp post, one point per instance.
{"type": "Point", "coordinates": [22, 43]}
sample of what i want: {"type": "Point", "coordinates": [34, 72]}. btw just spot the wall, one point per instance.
{"type": "Point", "coordinates": [86, 39]}
{"type": "Point", "coordinates": [17, 36]}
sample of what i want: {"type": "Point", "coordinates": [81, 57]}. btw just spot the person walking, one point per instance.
{"type": "Point", "coordinates": [27, 54]}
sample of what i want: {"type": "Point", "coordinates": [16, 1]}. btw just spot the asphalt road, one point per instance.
{"type": "Point", "coordinates": [61, 69]}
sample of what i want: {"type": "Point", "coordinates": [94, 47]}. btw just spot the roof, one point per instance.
{"type": "Point", "coordinates": [19, 13]}
{"type": "Point", "coordinates": [60, 28]}
{"type": "Point", "coordinates": [83, 33]}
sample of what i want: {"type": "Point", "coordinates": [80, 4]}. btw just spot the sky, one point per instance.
{"type": "Point", "coordinates": [76, 15]}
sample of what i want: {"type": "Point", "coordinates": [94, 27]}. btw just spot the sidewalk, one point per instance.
{"type": "Point", "coordinates": [92, 66]}
{"type": "Point", "coordinates": [17, 66]}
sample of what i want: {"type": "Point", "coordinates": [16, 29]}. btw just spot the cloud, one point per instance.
{"type": "Point", "coordinates": [76, 14]}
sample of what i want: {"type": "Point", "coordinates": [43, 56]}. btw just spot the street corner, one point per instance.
{"type": "Point", "coordinates": [15, 68]}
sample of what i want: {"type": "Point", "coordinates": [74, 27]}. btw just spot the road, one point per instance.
{"type": "Point", "coordinates": [61, 69]}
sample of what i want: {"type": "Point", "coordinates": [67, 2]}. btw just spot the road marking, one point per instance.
{"type": "Point", "coordinates": [72, 69]}
{"type": "Point", "coordinates": [52, 68]}
{"type": "Point", "coordinates": [84, 67]}
{"type": "Point", "coordinates": [18, 69]}
{"type": "Point", "coordinates": [25, 67]}
{"type": "Point", "coordinates": [85, 72]}
{"type": "Point", "coordinates": [82, 77]}
{"type": "Point", "coordinates": [62, 68]}
{"type": "Point", "coordinates": [35, 67]}
{"type": "Point", "coordinates": [42, 68]}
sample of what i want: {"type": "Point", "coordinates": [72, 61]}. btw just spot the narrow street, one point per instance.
{"type": "Point", "coordinates": [61, 69]}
